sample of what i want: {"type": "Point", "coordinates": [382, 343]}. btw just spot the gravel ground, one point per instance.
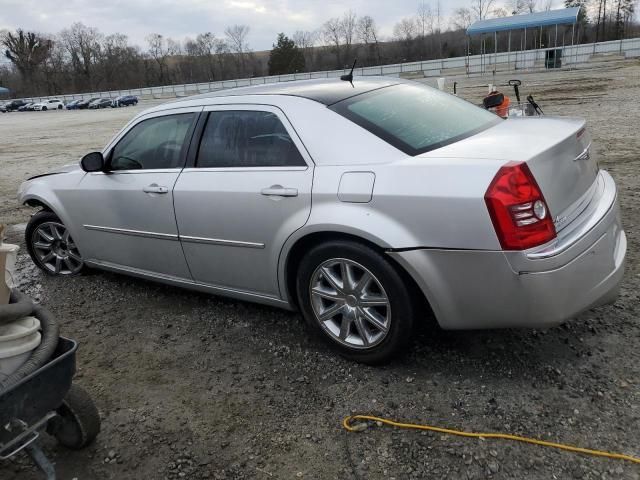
{"type": "Point", "coordinates": [196, 386]}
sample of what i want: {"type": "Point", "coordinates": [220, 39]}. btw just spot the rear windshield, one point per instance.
{"type": "Point", "coordinates": [415, 118]}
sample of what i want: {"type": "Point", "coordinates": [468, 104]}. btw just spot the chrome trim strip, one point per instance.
{"type": "Point", "coordinates": [576, 209]}
{"type": "Point", "coordinates": [604, 203]}
{"type": "Point", "coordinates": [138, 171]}
{"type": "Point", "coordinates": [170, 236]}
{"type": "Point", "coordinates": [218, 241]}
{"type": "Point", "coordinates": [135, 233]}
{"type": "Point", "coordinates": [244, 169]}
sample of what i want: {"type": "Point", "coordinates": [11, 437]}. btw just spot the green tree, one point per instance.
{"type": "Point", "coordinates": [582, 14]}
{"type": "Point", "coordinates": [583, 20]}
{"type": "Point", "coordinates": [285, 57]}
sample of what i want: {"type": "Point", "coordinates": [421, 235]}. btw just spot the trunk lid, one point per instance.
{"type": "Point", "coordinates": [556, 151]}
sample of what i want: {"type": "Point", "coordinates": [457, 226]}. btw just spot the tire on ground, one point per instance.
{"type": "Point", "coordinates": [398, 293]}
{"type": "Point", "coordinates": [39, 218]}
{"type": "Point", "coordinates": [78, 421]}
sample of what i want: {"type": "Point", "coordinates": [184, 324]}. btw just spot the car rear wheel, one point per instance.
{"type": "Point", "coordinates": [356, 299]}
{"type": "Point", "coordinates": [51, 247]}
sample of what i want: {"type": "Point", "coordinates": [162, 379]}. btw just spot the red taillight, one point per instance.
{"type": "Point", "coordinates": [517, 208]}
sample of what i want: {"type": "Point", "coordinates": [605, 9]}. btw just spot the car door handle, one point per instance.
{"type": "Point", "coordinates": [279, 191]}
{"type": "Point", "coordinates": [155, 188]}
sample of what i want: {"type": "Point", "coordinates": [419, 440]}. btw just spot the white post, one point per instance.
{"type": "Point", "coordinates": [524, 54]}
{"type": "Point", "coordinates": [509, 52]}
{"type": "Point", "coordinates": [495, 52]}
{"type": "Point", "coordinates": [575, 50]}
{"type": "Point", "coordinates": [555, 49]}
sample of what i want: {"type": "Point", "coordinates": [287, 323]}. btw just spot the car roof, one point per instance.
{"type": "Point", "coordinates": [325, 91]}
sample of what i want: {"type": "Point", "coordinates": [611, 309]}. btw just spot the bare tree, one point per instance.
{"type": "Point", "coordinates": [405, 31]}
{"type": "Point", "coordinates": [531, 5]}
{"type": "Point", "coordinates": [425, 19]}
{"type": "Point", "coordinates": [27, 51]}
{"type": "Point", "coordinates": [462, 18]}
{"type": "Point", "coordinates": [54, 69]}
{"type": "Point", "coordinates": [159, 52]}
{"type": "Point", "coordinates": [439, 26]}
{"type": "Point", "coordinates": [237, 38]}
{"type": "Point", "coordinates": [206, 47]}
{"type": "Point", "coordinates": [481, 8]}
{"type": "Point", "coordinates": [628, 11]}
{"type": "Point", "coordinates": [116, 55]}
{"type": "Point", "coordinates": [515, 7]}
{"type": "Point", "coordinates": [83, 44]}
{"type": "Point", "coordinates": [332, 33]}
{"type": "Point", "coordinates": [348, 31]}
{"type": "Point", "coordinates": [237, 42]}
{"type": "Point", "coordinates": [367, 33]}
{"type": "Point", "coordinates": [306, 41]}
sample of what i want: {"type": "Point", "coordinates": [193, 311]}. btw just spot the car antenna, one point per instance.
{"type": "Point", "coordinates": [349, 77]}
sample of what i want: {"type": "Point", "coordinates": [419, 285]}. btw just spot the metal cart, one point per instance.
{"type": "Point", "coordinates": [47, 400]}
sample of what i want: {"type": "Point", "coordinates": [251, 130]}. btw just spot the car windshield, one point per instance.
{"type": "Point", "coordinates": [415, 118]}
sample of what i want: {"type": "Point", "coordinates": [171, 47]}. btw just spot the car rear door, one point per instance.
{"type": "Point", "coordinates": [248, 190]}
{"type": "Point", "coordinates": [126, 215]}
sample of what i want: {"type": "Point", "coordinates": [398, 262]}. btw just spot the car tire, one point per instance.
{"type": "Point", "coordinates": [368, 318]}
{"type": "Point", "coordinates": [51, 247]}
{"type": "Point", "coordinates": [44, 109]}
{"type": "Point", "coordinates": [59, 107]}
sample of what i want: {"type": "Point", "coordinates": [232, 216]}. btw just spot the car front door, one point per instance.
{"type": "Point", "coordinates": [248, 190]}
{"type": "Point", "coordinates": [125, 216]}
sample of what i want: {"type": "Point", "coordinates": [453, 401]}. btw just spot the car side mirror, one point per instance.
{"type": "Point", "coordinates": [92, 162]}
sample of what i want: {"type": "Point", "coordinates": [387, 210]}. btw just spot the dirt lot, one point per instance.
{"type": "Point", "coordinates": [195, 386]}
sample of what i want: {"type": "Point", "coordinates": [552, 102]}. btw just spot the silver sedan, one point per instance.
{"type": "Point", "coordinates": [368, 207]}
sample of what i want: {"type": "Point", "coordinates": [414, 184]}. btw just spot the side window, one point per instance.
{"type": "Point", "coordinates": [153, 143]}
{"type": "Point", "coordinates": [247, 139]}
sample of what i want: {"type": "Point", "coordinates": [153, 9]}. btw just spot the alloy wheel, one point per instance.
{"type": "Point", "coordinates": [350, 303]}
{"type": "Point", "coordinates": [55, 249]}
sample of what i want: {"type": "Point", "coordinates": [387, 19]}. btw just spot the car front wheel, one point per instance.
{"type": "Point", "coordinates": [357, 300]}
{"type": "Point", "coordinates": [50, 245]}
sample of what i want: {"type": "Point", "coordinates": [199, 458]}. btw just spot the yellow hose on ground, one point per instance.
{"type": "Point", "coordinates": [346, 423]}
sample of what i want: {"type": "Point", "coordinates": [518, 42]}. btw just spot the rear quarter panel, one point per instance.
{"type": "Point", "coordinates": [415, 203]}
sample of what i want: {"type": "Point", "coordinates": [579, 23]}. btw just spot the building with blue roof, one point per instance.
{"type": "Point", "coordinates": [531, 21]}
{"type": "Point", "coordinates": [563, 16]}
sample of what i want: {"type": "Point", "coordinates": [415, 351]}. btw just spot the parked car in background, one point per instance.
{"type": "Point", "coordinates": [73, 105]}
{"type": "Point", "coordinates": [27, 107]}
{"type": "Point", "coordinates": [52, 104]}
{"type": "Point", "coordinates": [124, 101]}
{"type": "Point", "coordinates": [369, 207]}
{"type": "Point", "coordinates": [85, 103]}
{"type": "Point", "coordinates": [100, 103]}
{"type": "Point", "coordinates": [14, 105]}
{"type": "Point", "coordinates": [3, 109]}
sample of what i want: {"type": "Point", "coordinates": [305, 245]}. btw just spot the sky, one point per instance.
{"type": "Point", "coordinates": [186, 18]}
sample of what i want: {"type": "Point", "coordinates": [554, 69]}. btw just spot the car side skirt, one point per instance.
{"type": "Point", "coordinates": [191, 285]}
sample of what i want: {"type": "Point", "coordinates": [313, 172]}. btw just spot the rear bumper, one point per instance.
{"type": "Point", "coordinates": [541, 288]}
